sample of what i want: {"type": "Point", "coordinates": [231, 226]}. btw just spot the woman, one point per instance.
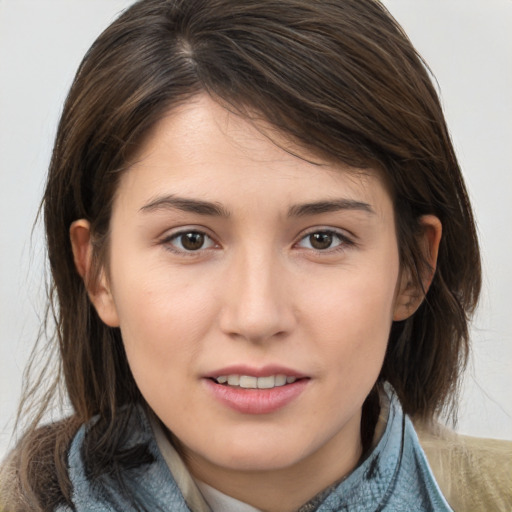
{"type": "Point", "coordinates": [263, 257]}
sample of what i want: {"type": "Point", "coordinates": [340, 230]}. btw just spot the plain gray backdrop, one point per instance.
{"type": "Point", "coordinates": [468, 45]}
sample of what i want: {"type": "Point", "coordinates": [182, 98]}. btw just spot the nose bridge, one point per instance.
{"type": "Point", "coordinates": [257, 305]}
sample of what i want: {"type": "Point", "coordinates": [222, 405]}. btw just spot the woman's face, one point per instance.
{"type": "Point", "coordinates": [254, 291]}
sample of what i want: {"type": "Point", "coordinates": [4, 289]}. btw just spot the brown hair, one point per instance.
{"type": "Point", "coordinates": [338, 76]}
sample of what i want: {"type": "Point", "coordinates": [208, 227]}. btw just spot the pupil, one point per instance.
{"type": "Point", "coordinates": [321, 240]}
{"type": "Point", "coordinates": [192, 241]}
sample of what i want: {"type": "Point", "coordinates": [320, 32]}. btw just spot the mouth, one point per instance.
{"type": "Point", "coordinates": [256, 391]}
{"type": "Point", "coordinates": [253, 382]}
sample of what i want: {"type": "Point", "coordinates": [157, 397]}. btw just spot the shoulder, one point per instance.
{"type": "Point", "coordinates": [473, 473]}
{"type": "Point", "coordinates": [133, 477]}
{"type": "Point", "coordinates": [34, 474]}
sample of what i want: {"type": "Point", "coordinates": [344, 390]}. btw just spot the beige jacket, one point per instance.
{"type": "Point", "coordinates": [474, 474]}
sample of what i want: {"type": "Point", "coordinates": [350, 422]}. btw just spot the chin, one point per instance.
{"type": "Point", "coordinates": [274, 459]}
{"type": "Point", "coordinates": [259, 452]}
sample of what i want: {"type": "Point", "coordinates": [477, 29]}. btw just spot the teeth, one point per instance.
{"type": "Point", "coordinates": [248, 382]}
{"type": "Point", "coordinates": [266, 382]}
{"type": "Point", "coordinates": [251, 382]}
{"type": "Point", "coordinates": [280, 380]}
{"type": "Point", "coordinates": [233, 380]}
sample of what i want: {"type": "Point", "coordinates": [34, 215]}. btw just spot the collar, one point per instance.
{"type": "Point", "coordinates": [395, 476]}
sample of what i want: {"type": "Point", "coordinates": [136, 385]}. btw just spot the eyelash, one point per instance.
{"type": "Point", "coordinates": [343, 241]}
{"type": "Point", "coordinates": [167, 242]}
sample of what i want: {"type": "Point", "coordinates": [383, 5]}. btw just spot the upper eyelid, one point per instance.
{"type": "Point", "coordinates": [174, 232]}
{"type": "Point", "coordinates": [343, 233]}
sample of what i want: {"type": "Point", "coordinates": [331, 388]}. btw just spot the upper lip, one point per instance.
{"type": "Point", "coordinates": [264, 371]}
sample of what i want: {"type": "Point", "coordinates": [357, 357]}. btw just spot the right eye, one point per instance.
{"type": "Point", "coordinates": [189, 241]}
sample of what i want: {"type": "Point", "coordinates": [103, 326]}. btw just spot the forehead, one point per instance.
{"type": "Point", "coordinates": [204, 150]}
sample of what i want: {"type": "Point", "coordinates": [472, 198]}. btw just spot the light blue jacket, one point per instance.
{"type": "Point", "coordinates": [395, 477]}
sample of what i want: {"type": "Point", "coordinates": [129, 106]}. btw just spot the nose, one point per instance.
{"type": "Point", "coordinates": [257, 303]}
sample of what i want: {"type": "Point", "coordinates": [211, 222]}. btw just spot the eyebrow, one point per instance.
{"type": "Point", "coordinates": [186, 205]}
{"type": "Point", "coordinates": [319, 207]}
{"type": "Point", "coordinates": [217, 210]}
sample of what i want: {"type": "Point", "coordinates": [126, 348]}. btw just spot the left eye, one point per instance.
{"type": "Point", "coordinates": [321, 240]}
{"type": "Point", "coordinates": [190, 241]}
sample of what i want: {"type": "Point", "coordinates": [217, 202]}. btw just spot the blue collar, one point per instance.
{"type": "Point", "coordinates": [394, 477]}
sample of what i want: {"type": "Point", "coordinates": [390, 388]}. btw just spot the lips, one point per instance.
{"type": "Point", "coordinates": [256, 391]}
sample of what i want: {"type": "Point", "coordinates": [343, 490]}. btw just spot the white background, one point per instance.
{"type": "Point", "coordinates": [468, 44]}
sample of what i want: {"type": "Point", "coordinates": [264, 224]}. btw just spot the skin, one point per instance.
{"type": "Point", "coordinates": [256, 293]}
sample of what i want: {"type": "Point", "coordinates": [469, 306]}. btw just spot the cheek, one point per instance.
{"type": "Point", "coordinates": [164, 318]}
{"type": "Point", "coordinates": [352, 315]}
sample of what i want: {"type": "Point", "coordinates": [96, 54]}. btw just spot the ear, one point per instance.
{"type": "Point", "coordinates": [97, 285]}
{"type": "Point", "coordinates": [410, 295]}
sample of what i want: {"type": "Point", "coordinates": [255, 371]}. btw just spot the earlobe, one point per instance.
{"type": "Point", "coordinates": [411, 293]}
{"type": "Point", "coordinates": [97, 286]}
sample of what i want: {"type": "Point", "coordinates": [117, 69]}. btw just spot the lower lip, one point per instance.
{"type": "Point", "coordinates": [256, 401]}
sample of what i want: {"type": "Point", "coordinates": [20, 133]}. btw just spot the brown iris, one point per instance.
{"type": "Point", "coordinates": [192, 241]}
{"type": "Point", "coordinates": [320, 240]}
